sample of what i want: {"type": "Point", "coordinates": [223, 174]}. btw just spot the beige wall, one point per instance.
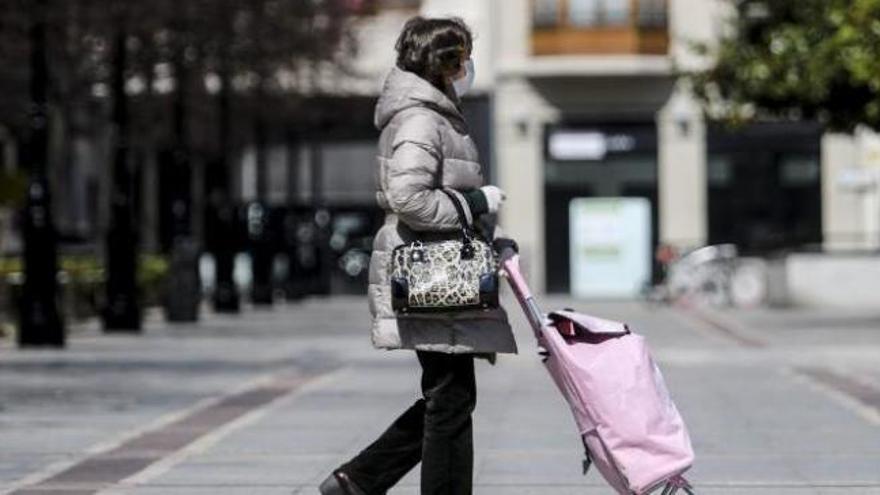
{"type": "Point", "coordinates": [512, 35]}
{"type": "Point", "coordinates": [681, 127]}
{"type": "Point", "coordinates": [851, 212]}
{"type": "Point", "coordinates": [519, 120]}
{"type": "Point", "coordinates": [813, 280]}
{"type": "Point", "coordinates": [376, 36]}
{"type": "Point", "coordinates": [692, 21]}
{"type": "Point", "coordinates": [682, 172]}
{"type": "Point", "coordinates": [478, 15]}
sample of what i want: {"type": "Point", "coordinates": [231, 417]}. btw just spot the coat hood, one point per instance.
{"type": "Point", "coordinates": [403, 90]}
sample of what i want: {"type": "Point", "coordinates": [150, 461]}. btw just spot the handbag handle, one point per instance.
{"type": "Point", "coordinates": [467, 231]}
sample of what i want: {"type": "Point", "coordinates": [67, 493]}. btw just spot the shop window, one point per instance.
{"type": "Point", "coordinates": [798, 170]}
{"type": "Point", "coordinates": [719, 171]}
{"type": "Point", "coordinates": [598, 160]}
{"type": "Point", "coordinates": [765, 186]}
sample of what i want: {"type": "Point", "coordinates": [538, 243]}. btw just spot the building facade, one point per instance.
{"type": "Point", "coordinates": [580, 106]}
{"type": "Point", "coordinates": [592, 119]}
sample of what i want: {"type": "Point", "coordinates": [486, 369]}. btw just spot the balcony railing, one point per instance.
{"type": "Point", "coordinates": [372, 7]}
{"type": "Point", "coordinates": [599, 27]}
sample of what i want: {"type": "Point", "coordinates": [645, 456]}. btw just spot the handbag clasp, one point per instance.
{"type": "Point", "coordinates": [467, 250]}
{"type": "Point", "coordinates": [417, 255]}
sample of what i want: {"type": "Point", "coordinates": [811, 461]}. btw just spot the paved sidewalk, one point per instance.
{"type": "Point", "coordinates": [268, 402]}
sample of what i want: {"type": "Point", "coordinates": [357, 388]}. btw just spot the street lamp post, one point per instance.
{"type": "Point", "coordinates": [222, 225]}
{"type": "Point", "coordinates": [122, 313]}
{"type": "Point", "coordinates": [41, 323]}
{"type": "Point", "coordinates": [184, 293]}
{"type": "Point", "coordinates": [322, 219]}
{"type": "Point", "coordinates": [259, 235]}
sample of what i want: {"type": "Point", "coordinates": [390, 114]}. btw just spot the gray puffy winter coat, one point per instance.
{"type": "Point", "coordinates": [422, 134]}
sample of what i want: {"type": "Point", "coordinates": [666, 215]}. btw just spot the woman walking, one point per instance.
{"type": "Point", "coordinates": [424, 148]}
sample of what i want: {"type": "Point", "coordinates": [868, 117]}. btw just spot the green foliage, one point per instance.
{"type": "Point", "coordinates": [814, 59]}
{"type": "Point", "coordinates": [83, 281]}
{"type": "Point", "coordinates": [152, 269]}
{"type": "Point", "coordinates": [9, 266]}
{"type": "Point", "coordinates": [82, 269]}
{"type": "Point", "coordinates": [152, 272]}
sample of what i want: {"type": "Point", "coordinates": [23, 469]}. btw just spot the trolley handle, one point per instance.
{"type": "Point", "coordinates": [510, 265]}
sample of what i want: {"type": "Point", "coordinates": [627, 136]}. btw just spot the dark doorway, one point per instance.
{"type": "Point", "coordinates": [556, 234]}
{"type": "Point", "coordinates": [623, 164]}
{"type": "Point", "coordinates": [764, 186]}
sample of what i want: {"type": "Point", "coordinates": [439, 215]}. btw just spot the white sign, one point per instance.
{"type": "Point", "coordinates": [610, 245]}
{"type": "Point", "coordinates": [587, 145]}
{"type": "Point", "coordinates": [578, 145]}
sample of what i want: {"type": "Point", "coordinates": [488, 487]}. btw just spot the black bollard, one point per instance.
{"type": "Point", "coordinates": [40, 322]}
{"type": "Point", "coordinates": [184, 293]}
{"type": "Point", "coordinates": [226, 298]}
{"type": "Point", "coordinates": [262, 253]}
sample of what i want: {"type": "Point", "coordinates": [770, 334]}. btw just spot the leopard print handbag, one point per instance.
{"type": "Point", "coordinates": [441, 276]}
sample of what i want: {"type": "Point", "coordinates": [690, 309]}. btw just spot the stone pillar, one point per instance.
{"type": "Point", "coordinates": [682, 172]}
{"type": "Point", "coordinates": [850, 191]}
{"type": "Point", "coordinates": [519, 118]}
{"type": "Point", "coordinates": [519, 122]}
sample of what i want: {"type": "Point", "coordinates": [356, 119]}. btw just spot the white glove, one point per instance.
{"type": "Point", "coordinates": [494, 197]}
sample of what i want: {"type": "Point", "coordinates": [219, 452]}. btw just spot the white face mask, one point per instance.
{"type": "Point", "coordinates": [465, 82]}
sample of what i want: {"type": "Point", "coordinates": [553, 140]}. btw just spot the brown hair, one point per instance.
{"type": "Point", "coordinates": [433, 48]}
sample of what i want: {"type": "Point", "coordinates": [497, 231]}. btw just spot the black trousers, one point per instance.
{"type": "Point", "coordinates": [436, 431]}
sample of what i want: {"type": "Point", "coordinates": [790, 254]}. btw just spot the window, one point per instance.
{"type": "Point", "coordinates": [798, 170]}
{"type": "Point", "coordinates": [652, 13]}
{"type": "Point", "coordinates": [585, 13]}
{"type": "Point", "coordinates": [373, 7]}
{"type": "Point", "coordinates": [546, 13]}
{"type": "Point", "coordinates": [599, 27]}
{"type": "Point", "coordinates": [617, 12]}
{"type": "Point", "coordinates": [400, 4]}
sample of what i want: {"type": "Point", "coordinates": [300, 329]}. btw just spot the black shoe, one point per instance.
{"type": "Point", "coordinates": [339, 483]}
